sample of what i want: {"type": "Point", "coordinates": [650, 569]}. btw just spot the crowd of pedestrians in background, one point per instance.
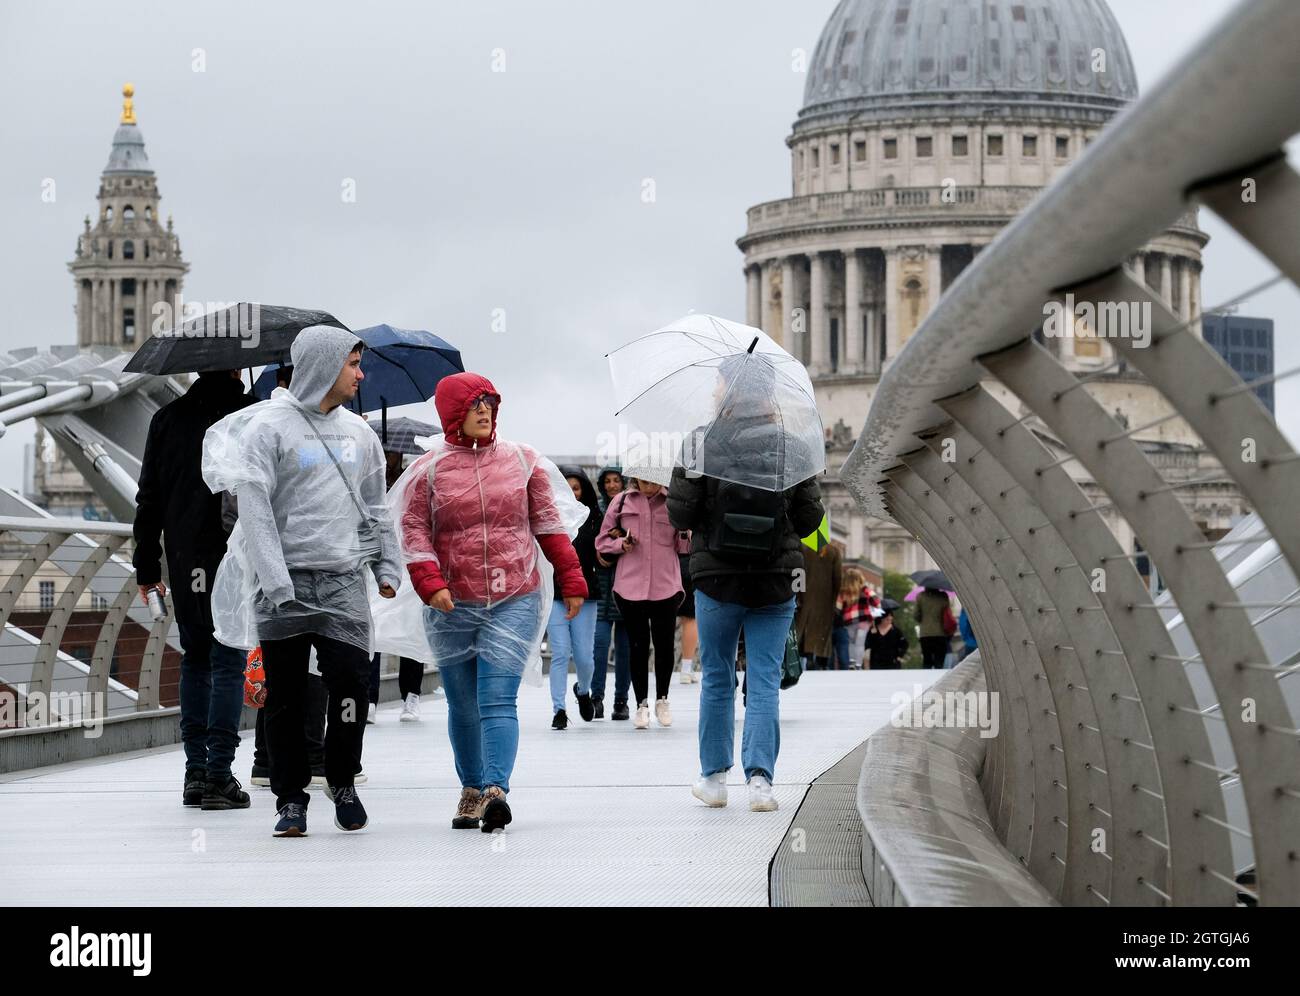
{"type": "Point", "coordinates": [646, 563]}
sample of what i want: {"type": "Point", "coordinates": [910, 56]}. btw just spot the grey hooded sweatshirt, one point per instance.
{"type": "Point", "coordinates": [298, 514]}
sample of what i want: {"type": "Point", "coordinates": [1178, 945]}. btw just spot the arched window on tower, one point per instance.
{"type": "Point", "coordinates": [148, 214]}
{"type": "Point", "coordinates": [108, 213]}
{"type": "Point", "coordinates": [128, 250]}
{"type": "Point", "coordinates": [128, 213]}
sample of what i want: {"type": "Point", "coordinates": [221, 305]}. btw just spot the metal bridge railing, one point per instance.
{"type": "Point", "coordinates": [1150, 753]}
{"type": "Point", "coordinates": [77, 645]}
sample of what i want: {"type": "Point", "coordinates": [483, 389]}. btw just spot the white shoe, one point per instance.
{"type": "Point", "coordinates": [410, 709]}
{"type": "Point", "coordinates": [761, 799]}
{"type": "Point", "coordinates": [641, 721]}
{"type": "Point", "coordinates": [663, 713]}
{"type": "Point", "coordinates": [711, 789]}
{"type": "Point", "coordinates": [687, 677]}
{"type": "Point", "coordinates": [372, 713]}
{"type": "Point", "coordinates": [359, 778]}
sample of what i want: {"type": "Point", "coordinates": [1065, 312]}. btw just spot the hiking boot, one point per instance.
{"type": "Point", "coordinates": [292, 821]}
{"type": "Point", "coordinates": [561, 720]}
{"type": "Point", "coordinates": [597, 707]}
{"type": "Point", "coordinates": [469, 811]}
{"type": "Point", "coordinates": [620, 709]}
{"type": "Point", "coordinates": [196, 780]}
{"type": "Point", "coordinates": [349, 814]}
{"type": "Point", "coordinates": [496, 813]}
{"type": "Point", "coordinates": [225, 794]}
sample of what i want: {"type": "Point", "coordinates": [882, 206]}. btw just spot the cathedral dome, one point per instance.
{"type": "Point", "coordinates": [879, 58]}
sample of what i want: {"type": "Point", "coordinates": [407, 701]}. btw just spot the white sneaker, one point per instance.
{"type": "Point", "coordinates": [687, 677]}
{"type": "Point", "coordinates": [410, 709]}
{"type": "Point", "coordinates": [761, 799]}
{"type": "Point", "coordinates": [663, 713]}
{"type": "Point", "coordinates": [372, 714]}
{"type": "Point", "coordinates": [711, 789]}
{"type": "Point", "coordinates": [641, 721]}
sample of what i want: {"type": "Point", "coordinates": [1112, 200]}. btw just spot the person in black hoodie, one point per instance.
{"type": "Point", "coordinates": [575, 638]}
{"type": "Point", "coordinates": [174, 507]}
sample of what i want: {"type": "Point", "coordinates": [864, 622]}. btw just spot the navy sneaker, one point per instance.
{"type": "Point", "coordinates": [585, 708]}
{"type": "Point", "coordinates": [225, 794]}
{"type": "Point", "coordinates": [292, 822]}
{"type": "Point", "coordinates": [349, 814]}
{"type": "Point", "coordinates": [196, 780]}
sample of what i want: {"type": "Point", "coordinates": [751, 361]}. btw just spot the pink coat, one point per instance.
{"type": "Point", "coordinates": [649, 570]}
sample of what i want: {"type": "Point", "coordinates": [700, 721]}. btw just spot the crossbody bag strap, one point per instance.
{"type": "Point", "coordinates": [365, 516]}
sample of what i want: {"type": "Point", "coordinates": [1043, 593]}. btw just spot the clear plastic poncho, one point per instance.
{"type": "Point", "coordinates": [314, 538]}
{"type": "Point", "coordinates": [478, 538]}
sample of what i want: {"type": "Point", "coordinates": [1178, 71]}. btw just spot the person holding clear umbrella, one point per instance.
{"type": "Point", "coordinates": [746, 488]}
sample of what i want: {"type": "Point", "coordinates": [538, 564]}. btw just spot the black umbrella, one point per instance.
{"type": "Point", "coordinates": [917, 575]}
{"type": "Point", "coordinates": [397, 435]}
{"type": "Point", "coordinates": [243, 335]}
{"type": "Point", "coordinates": [936, 579]}
{"type": "Point", "coordinates": [889, 605]}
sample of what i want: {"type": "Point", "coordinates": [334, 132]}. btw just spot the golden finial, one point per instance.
{"type": "Point", "coordinates": [128, 107]}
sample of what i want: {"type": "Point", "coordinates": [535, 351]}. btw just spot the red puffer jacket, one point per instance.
{"type": "Point", "coordinates": [490, 501]}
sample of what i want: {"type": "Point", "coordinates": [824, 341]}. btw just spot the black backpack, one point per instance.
{"type": "Point", "coordinates": [746, 524]}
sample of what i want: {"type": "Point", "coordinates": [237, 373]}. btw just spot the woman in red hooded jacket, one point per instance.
{"type": "Point", "coordinates": [472, 514]}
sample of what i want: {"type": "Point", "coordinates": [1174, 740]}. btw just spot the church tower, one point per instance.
{"type": "Point", "coordinates": [127, 262]}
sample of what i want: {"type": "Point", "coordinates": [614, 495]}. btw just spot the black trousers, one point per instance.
{"type": "Point", "coordinates": [933, 650]}
{"type": "Point", "coordinates": [345, 670]}
{"type": "Point", "coordinates": [646, 621]}
{"type": "Point", "coordinates": [410, 677]}
{"type": "Point", "coordinates": [313, 727]}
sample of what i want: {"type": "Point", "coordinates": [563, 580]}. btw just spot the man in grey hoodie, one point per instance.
{"type": "Point", "coordinates": [309, 477]}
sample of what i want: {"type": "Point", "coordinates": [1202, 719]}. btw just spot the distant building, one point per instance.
{"type": "Point", "coordinates": [926, 127]}
{"type": "Point", "coordinates": [1246, 345]}
{"type": "Point", "coordinates": [126, 264]}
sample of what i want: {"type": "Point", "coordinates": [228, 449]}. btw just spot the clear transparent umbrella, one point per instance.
{"type": "Point", "coordinates": [723, 399]}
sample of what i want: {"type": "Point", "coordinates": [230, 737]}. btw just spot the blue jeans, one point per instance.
{"type": "Point", "coordinates": [622, 660]}
{"type": "Point", "coordinates": [481, 654]}
{"type": "Point", "coordinates": [765, 628]}
{"type": "Point", "coordinates": [571, 639]}
{"type": "Point", "coordinates": [212, 698]}
{"type": "Point", "coordinates": [840, 640]}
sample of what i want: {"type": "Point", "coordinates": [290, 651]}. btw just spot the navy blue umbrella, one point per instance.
{"type": "Point", "coordinates": [401, 367]}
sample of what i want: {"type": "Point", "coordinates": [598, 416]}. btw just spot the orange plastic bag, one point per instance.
{"type": "Point", "coordinates": [255, 680]}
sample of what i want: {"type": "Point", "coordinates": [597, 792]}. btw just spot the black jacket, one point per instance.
{"type": "Point", "coordinates": [173, 502]}
{"type": "Point", "coordinates": [584, 544]}
{"type": "Point", "coordinates": [690, 507]}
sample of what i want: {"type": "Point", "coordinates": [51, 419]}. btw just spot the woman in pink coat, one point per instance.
{"type": "Point", "coordinates": [647, 582]}
{"type": "Point", "coordinates": [476, 515]}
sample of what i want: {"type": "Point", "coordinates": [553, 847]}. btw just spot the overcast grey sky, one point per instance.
{"type": "Point", "coordinates": [475, 190]}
